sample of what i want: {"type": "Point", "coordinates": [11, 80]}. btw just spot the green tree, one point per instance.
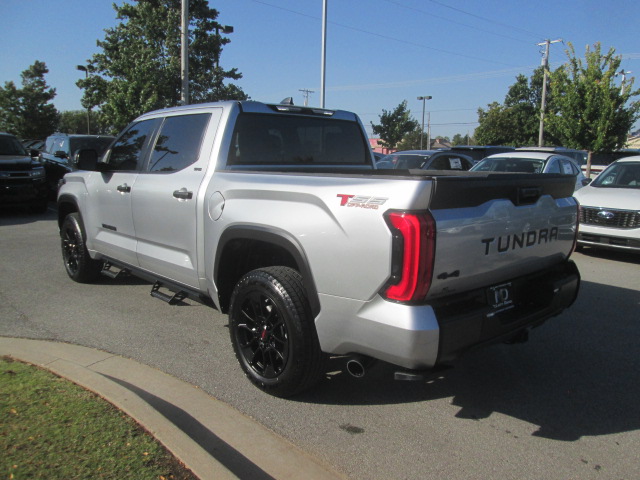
{"type": "Point", "coordinates": [139, 67]}
{"type": "Point", "coordinates": [590, 111]}
{"type": "Point", "coordinates": [27, 112]}
{"type": "Point", "coordinates": [75, 121]}
{"type": "Point", "coordinates": [515, 122]}
{"type": "Point", "coordinates": [395, 125]}
{"type": "Point", "coordinates": [459, 139]}
{"type": "Point", "coordinates": [10, 108]}
{"type": "Point", "coordinates": [411, 141]}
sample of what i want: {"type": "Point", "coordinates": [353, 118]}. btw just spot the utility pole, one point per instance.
{"type": "Point", "coordinates": [623, 74]}
{"type": "Point", "coordinates": [323, 62]}
{"type": "Point", "coordinates": [543, 102]}
{"type": "Point", "coordinates": [184, 52]}
{"type": "Point", "coordinates": [305, 93]}
{"type": "Point", "coordinates": [424, 98]}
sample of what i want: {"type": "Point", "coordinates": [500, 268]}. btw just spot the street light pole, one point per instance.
{"type": "Point", "coordinates": [82, 68]}
{"type": "Point", "coordinates": [323, 54]}
{"type": "Point", "coordinates": [428, 97]}
{"type": "Point", "coordinates": [184, 53]}
{"type": "Point", "coordinates": [227, 29]}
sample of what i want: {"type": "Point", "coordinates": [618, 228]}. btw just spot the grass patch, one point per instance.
{"type": "Point", "coordinates": [51, 428]}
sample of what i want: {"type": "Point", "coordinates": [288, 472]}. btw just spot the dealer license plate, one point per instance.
{"type": "Point", "coordinates": [500, 297]}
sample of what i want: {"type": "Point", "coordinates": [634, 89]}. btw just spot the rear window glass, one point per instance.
{"type": "Point", "coordinates": [513, 165]}
{"type": "Point", "coordinates": [178, 143]}
{"type": "Point", "coordinates": [296, 140]}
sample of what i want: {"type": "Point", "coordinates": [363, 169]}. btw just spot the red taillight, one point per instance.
{"type": "Point", "coordinates": [414, 246]}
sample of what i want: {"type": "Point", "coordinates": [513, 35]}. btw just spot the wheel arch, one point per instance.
{"type": "Point", "coordinates": [66, 205]}
{"type": "Point", "coordinates": [245, 248]}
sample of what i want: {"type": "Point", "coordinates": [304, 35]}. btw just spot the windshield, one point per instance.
{"type": "Point", "coordinates": [11, 146]}
{"type": "Point", "coordinates": [405, 161]}
{"type": "Point", "coordinates": [514, 165]}
{"type": "Point", "coordinates": [619, 175]}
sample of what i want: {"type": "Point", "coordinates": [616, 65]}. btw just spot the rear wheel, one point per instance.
{"type": "Point", "coordinates": [273, 333]}
{"type": "Point", "coordinates": [79, 265]}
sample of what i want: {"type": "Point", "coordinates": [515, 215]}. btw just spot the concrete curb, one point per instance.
{"type": "Point", "coordinates": [211, 438]}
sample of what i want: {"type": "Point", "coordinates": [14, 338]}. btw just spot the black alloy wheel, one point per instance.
{"type": "Point", "coordinates": [79, 265]}
{"type": "Point", "coordinates": [273, 333]}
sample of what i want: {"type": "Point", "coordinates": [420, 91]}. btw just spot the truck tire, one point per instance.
{"type": "Point", "coordinates": [273, 333]}
{"type": "Point", "coordinates": [79, 265]}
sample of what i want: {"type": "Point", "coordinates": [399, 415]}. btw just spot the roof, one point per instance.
{"type": "Point", "coordinates": [529, 155]}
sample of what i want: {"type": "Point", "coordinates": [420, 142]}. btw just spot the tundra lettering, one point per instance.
{"type": "Point", "coordinates": [525, 239]}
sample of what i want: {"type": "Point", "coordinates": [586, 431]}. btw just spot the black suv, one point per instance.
{"type": "Point", "coordinates": [22, 179]}
{"type": "Point", "coordinates": [59, 152]}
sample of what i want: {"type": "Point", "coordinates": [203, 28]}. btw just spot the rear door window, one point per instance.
{"type": "Point", "coordinates": [178, 143]}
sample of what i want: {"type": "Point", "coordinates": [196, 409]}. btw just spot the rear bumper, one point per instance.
{"type": "Point", "coordinates": [471, 322]}
{"type": "Point", "coordinates": [421, 337]}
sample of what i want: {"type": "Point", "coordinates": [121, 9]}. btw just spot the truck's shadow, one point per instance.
{"type": "Point", "coordinates": [579, 375]}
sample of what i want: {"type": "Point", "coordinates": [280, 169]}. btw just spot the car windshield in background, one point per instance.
{"type": "Point", "coordinates": [408, 161]}
{"type": "Point", "coordinates": [513, 165]}
{"type": "Point", "coordinates": [97, 144]}
{"type": "Point", "coordinates": [11, 146]}
{"type": "Point", "coordinates": [619, 175]}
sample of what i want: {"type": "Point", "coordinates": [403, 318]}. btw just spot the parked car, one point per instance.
{"type": "Point", "coordinates": [600, 161]}
{"type": "Point", "coordinates": [610, 207]}
{"type": "Point", "coordinates": [580, 156]}
{"type": "Point", "coordinates": [478, 152]}
{"type": "Point", "coordinates": [275, 215]}
{"type": "Point", "coordinates": [22, 179]}
{"type": "Point", "coordinates": [33, 144]}
{"type": "Point", "coordinates": [426, 160]}
{"type": "Point", "coordinates": [60, 149]}
{"type": "Point", "coordinates": [377, 156]}
{"type": "Point", "coordinates": [532, 162]}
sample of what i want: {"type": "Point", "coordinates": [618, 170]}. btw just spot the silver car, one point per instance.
{"type": "Point", "coordinates": [610, 207]}
{"type": "Point", "coordinates": [532, 162]}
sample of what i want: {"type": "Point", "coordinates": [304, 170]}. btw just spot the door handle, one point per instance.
{"type": "Point", "coordinates": [124, 188]}
{"type": "Point", "coordinates": [183, 194]}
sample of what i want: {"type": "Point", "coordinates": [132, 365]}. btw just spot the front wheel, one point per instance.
{"type": "Point", "coordinates": [79, 265]}
{"type": "Point", "coordinates": [273, 333]}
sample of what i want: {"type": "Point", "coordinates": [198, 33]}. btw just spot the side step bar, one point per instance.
{"type": "Point", "coordinates": [108, 271]}
{"type": "Point", "coordinates": [166, 297]}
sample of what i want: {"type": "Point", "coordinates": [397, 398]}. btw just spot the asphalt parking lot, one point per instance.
{"type": "Point", "coordinates": [565, 405]}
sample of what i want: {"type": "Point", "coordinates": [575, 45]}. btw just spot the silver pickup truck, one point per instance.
{"type": "Point", "coordinates": [277, 216]}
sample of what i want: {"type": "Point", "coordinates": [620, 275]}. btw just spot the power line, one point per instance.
{"type": "Point", "coordinates": [433, 15]}
{"type": "Point", "coordinates": [386, 37]}
{"type": "Point", "coordinates": [485, 19]}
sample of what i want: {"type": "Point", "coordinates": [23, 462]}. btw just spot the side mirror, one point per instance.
{"type": "Point", "coordinates": [60, 154]}
{"type": "Point", "coordinates": [87, 160]}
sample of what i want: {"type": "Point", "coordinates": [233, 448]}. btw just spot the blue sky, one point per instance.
{"type": "Point", "coordinates": [463, 53]}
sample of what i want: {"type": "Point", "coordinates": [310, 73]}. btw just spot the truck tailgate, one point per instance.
{"type": "Point", "coordinates": [493, 228]}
